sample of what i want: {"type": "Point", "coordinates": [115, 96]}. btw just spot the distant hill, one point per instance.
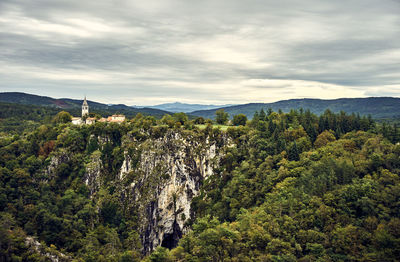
{"type": "Point", "coordinates": [377, 107]}
{"type": "Point", "coordinates": [28, 99]}
{"type": "Point", "coordinates": [182, 107]}
{"type": "Point", "coordinates": [74, 105]}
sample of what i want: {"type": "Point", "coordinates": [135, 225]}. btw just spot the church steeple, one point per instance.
{"type": "Point", "coordinates": [85, 108]}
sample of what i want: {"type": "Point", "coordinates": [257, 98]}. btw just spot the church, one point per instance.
{"type": "Point", "coordinates": [85, 119]}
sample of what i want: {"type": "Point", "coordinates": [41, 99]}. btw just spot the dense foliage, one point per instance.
{"type": "Point", "coordinates": [17, 118]}
{"type": "Point", "coordinates": [294, 186]}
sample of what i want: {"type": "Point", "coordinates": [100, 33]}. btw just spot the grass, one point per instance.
{"type": "Point", "coordinates": [222, 127]}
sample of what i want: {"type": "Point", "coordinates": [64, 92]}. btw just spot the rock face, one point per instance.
{"type": "Point", "coordinates": [93, 173]}
{"type": "Point", "coordinates": [163, 175]}
{"type": "Point", "coordinates": [60, 157]}
{"type": "Point", "coordinates": [52, 255]}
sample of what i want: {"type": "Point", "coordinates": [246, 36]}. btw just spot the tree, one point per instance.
{"type": "Point", "coordinates": [97, 116]}
{"type": "Point", "coordinates": [221, 117]}
{"type": "Point", "coordinates": [262, 115]}
{"type": "Point", "coordinates": [160, 254]}
{"type": "Point", "coordinates": [324, 138]}
{"type": "Point", "coordinates": [199, 121]}
{"type": "Point", "coordinates": [168, 120]}
{"type": "Point", "coordinates": [180, 117]}
{"type": "Point", "coordinates": [293, 153]}
{"type": "Point", "coordinates": [239, 120]}
{"type": "Point", "coordinates": [63, 117]}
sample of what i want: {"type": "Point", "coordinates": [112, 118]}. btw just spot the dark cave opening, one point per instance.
{"type": "Point", "coordinates": [171, 240]}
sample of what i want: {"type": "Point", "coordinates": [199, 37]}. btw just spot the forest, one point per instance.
{"type": "Point", "coordinates": [284, 187]}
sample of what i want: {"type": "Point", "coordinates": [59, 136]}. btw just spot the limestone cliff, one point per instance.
{"type": "Point", "coordinates": [45, 252]}
{"type": "Point", "coordinates": [161, 177]}
{"type": "Point", "coordinates": [92, 178]}
{"type": "Point", "coordinates": [58, 158]}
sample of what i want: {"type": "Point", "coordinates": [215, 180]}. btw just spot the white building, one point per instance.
{"type": "Point", "coordinates": [76, 120]}
{"type": "Point", "coordinates": [85, 108]}
{"type": "Point", "coordinates": [116, 118]}
{"type": "Point", "coordinates": [91, 120]}
{"type": "Point", "coordinates": [85, 112]}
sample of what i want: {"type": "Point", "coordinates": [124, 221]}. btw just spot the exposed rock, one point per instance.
{"type": "Point", "coordinates": [126, 166]}
{"type": "Point", "coordinates": [53, 255]}
{"type": "Point", "coordinates": [167, 176]}
{"type": "Point", "coordinates": [103, 139]}
{"type": "Point", "coordinates": [92, 176]}
{"type": "Point", "coordinates": [60, 157]}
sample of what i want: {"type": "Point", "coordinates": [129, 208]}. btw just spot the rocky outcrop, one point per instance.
{"type": "Point", "coordinates": [126, 166]}
{"type": "Point", "coordinates": [93, 173]}
{"type": "Point", "coordinates": [164, 180]}
{"type": "Point", "coordinates": [45, 252]}
{"type": "Point", "coordinates": [58, 158]}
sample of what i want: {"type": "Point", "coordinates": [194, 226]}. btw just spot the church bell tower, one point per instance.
{"type": "Point", "coordinates": [85, 108]}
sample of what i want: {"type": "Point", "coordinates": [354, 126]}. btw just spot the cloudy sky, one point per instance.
{"type": "Point", "coordinates": [144, 52]}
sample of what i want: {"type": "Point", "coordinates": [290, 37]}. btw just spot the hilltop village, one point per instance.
{"type": "Point", "coordinates": [85, 119]}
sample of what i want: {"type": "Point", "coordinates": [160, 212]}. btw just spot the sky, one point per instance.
{"type": "Point", "coordinates": [208, 52]}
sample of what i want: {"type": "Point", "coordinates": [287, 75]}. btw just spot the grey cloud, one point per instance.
{"type": "Point", "coordinates": [355, 44]}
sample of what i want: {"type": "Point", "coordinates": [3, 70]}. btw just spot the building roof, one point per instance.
{"type": "Point", "coordinates": [116, 121]}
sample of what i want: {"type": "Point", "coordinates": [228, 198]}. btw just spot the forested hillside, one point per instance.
{"type": "Point", "coordinates": [282, 187]}
{"type": "Point", "coordinates": [16, 118]}
{"type": "Point", "coordinates": [74, 105]}
{"type": "Point", "coordinates": [186, 108]}
{"type": "Point", "coordinates": [377, 107]}
{"type": "Point", "coordinates": [381, 108]}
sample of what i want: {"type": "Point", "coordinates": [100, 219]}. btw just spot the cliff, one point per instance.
{"type": "Point", "coordinates": [163, 175]}
{"type": "Point", "coordinates": [157, 179]}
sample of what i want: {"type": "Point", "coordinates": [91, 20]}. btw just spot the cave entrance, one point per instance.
{"type": "Point", "coordinates": [170, 241]}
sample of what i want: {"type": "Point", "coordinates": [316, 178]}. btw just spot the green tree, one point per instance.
{"type": "Point", "coordinates": [168, 120]}
{"type": "Point", "coordinates": [160, 254]}
{"type": "Point", "coordinates": [221, 117]}
{"type": "Point", "coordinates": [199, 121]}
{"type": "Point", "coordinates": [262, 115]}
{"type": "Point", "coordinates": [293, 153]}
{"type": "Point", "coordinates": [324, 138]}
{"type": "Point", "coordinates": [180, 117]}
{"type": "Point", "coordinates": [239, 120]}
{"type": "Point", "coordinates": [63, 117]}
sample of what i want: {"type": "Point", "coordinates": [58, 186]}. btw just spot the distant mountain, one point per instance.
{"type": "Point", "coordinates": [377, 107]}
{"type": "Point", "coordinates": [182, 107]}
{"type": "Point", "coordinates": [74, 105]}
